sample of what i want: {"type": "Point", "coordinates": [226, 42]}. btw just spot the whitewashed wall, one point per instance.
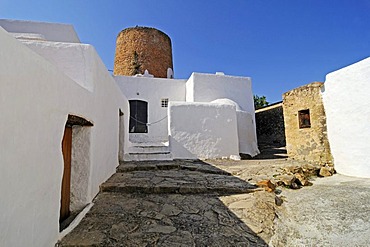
{"type": "Point", "coordinates": [218, 88]}
{"type": "Point", "coordinates": [36, 98]}
{"type": "Point", "coordinates": [246, 130]}
{"type": "Point", "coordinates": [49, 31]}
{"type": "Point", "coordinates": [152, 90]}
{"type": "Point", "coordinates": [82, 64]}
{"type": "Point", "coordinates": [347, 106]}
{"type": "Point", "coordinates": [203, 130]}
{"type": "Point", "coordinates": [74, 59]}
{"type": "Point", "coordinates": [208, 87]}
{"type": "Point", "coordinates": [247, 133]}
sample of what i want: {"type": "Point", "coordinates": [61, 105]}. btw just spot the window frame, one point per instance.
{"type": "Point", "coordinates": [304, 119]}
{"type": "Point", "coordinates": [138, 119]}
{"type": "Point", "coordinates": [164, 102]}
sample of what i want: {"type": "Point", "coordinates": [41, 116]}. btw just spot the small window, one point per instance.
{"type": "Point", "coordinates": [164, 102]}
{"type": "Point", "coordinates": [304, 119]}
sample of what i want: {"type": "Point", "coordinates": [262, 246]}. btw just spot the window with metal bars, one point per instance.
{"type": "Point", "coordinates": [164, 102]}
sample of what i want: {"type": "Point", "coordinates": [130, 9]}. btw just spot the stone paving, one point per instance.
{"type": "Point", "coordinates": [174, 177]}
{"type": "Point", "coordinates": [176, 203]}
{"type": "Point", "coordinates": [215, 203]}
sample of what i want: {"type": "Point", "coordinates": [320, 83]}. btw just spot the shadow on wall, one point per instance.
{"type": "Point", "coordinates": [270, 125]}
{"type": "Point", "coordinates": [168, 203]}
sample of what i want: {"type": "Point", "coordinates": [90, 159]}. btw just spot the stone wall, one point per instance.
{"type": "Point", "coordinates": [305, 124]}
{"type": "Point", "coordinates": [143, 48]}
{"type": "Point", "coordinates": [270, 125]}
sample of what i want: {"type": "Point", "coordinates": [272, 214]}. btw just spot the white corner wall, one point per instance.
{"type": "Point", "coordinates": [209, 87]}
{"type": "Point", "coordinates": [75, 60]}
{"type": "Point", "coordinates": [152, 90]}
{"type": "Point", "coordinates": [247, 133]}
{"type": "Point", "coordinates": [246, 129]}
{"type": "Point", "coordinates": [347, 106]}
{"type": "Point", "coordinates": [81, 63]}
{"type": "Point", "coordinates": [217, 87]}
{"type": "Point", "coordinates": [36, 98]}
{"type": "Point", "coordinates": [190, 89]}
{"type": "Point", "coordinates": [50, 31]}
{"type": "Point", "coordinates": [203, 130]}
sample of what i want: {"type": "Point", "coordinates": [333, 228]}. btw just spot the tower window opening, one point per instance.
{"type": "Point", "coordinates": [304, 119]}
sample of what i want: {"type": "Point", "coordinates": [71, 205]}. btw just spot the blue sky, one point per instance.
{"type": "Point", "coordinates": [280, 44]}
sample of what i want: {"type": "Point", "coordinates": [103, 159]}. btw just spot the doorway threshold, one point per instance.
{"type": "Point", "coordinates": [72, 221]}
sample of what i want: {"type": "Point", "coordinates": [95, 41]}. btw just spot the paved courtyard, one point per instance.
{"type": "Point", "coordinates": [216, 203]}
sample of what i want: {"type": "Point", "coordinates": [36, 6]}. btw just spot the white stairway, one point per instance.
{"type": "Point", "coordinates": [148, 151]}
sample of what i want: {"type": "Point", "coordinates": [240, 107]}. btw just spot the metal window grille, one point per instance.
{"type": "Point", "coordinates": [164, 102]}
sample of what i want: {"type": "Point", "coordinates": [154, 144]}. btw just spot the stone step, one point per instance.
{"type": "Point", "coordinates": [149, 149]}
{"type": "Point", "coordinates": [190, 165]}
{"type": "Point", "coordinates": [175, 181]}
{"type": "Point", "coordinates": [147, 156]}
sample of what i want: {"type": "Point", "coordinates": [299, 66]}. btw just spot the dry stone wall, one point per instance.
{"type": "Point", "coordinates": [270, 125]}
{"type": "Point", "coordinates": [305, 124]}
{"type": "Point", "coordinates": [143, 48]}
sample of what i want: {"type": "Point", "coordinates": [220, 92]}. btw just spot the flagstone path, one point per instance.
{"type": "Point", "coordinates": [171, 203]}
{"type": "Point", "coordinates": [214, 203]}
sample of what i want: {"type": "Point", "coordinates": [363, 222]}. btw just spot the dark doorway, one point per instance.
{"type": "Point", "coordinates": [121, 135]}
{"type": "Point", "coordinates": [66, 181]}
{"type": "Point", "coordinates": [138, 116]}
{"type": "Point", "coordinates": [65, 214]}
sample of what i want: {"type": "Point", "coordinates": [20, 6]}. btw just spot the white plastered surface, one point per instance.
{"type": "Point", "coordinates": [347, 106]}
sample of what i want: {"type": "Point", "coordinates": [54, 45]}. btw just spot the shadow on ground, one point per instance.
{"type": "Point", "coordinates": [173, 203]}
{"type": "Point", "coordinates": [271, 152]}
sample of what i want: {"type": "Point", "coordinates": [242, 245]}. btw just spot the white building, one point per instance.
{"type": "Point", "coordinates": [347, 105]}
{"type": "Point", "coordinates": [206, 116]}
{"type": "Point", "coordinates": [51, 85]}
{"type": "Point", "coordinates": [65, 124]}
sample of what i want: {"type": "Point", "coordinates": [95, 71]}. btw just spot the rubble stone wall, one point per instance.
{"type": "Point", "coordinates": [270, 125]}
{"type": "Point", "coordinates": [307, 143]}
{"type": "Point", "coordinates": [143, 48]}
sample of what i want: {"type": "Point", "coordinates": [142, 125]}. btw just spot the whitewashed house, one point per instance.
{"type": "Point", "coordinates": [206, 116]}
{"type": "Point", "coordinates": [53, 89]}
{"type": "Point", "coordinates": [347, 105]}
{"type": "Point", "coordinates": [65, 124]}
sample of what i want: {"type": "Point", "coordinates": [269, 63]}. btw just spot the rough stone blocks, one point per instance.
{"type": "Point", "coordinates": [305, 124]}
{"type": "Point", "coordinates": [143, 48]}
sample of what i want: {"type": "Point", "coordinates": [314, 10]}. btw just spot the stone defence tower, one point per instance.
{"type": "Point", "coordinates": [143, 48]}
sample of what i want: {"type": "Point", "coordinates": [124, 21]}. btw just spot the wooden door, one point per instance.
{"type": "Point", "coordinates": [66, 181]}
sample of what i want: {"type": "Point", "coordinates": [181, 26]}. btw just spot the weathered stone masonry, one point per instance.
{"type": "Point", "coordinates": [143, 48]}
{"type": "Point", "coordinates": [305, 124]}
